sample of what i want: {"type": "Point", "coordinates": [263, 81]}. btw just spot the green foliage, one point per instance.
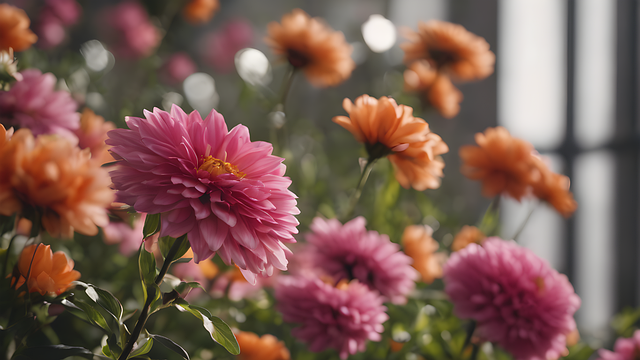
{"type": "Point", "coordinates": [151, 225]}
{"type": "Point", "coordinates": [219, 330]}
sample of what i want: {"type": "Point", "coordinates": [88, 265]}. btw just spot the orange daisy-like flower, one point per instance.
{"type": "Point", "coordinates": [311, 45]}
{"type": "Point", "coordinates": [503, 163]}
{"type": "Point", "coordinates": [438, 89]}
{"type": "Point", "coordinates": [554, 189]}
{"type": "Point", "coordinates": [451, 49]}
{"type": "Point", "coordinates": [389, 129]}
{"type": "Point", "coordinates": [265, 347]}
{"type": "Point", "coordinates": [421, 247]}
{"type": "Point", "coordinates": [48, 273]}
{"type": "Point", "coordinates": [14, 29]}
{"type": "Point", "coordinates": [92, 135]}
{"type": "Point", "coordinates": [50, 179]}
{"type": "Point", "coordinates": [200, 11]}
{"type": "Point", "coordinates": [467, 235]}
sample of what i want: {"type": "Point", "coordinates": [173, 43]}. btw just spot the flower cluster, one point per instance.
{"type": "Point", "coordinates": [131, 33]}
{"type": "Point", "coordinates": [49, 179]}
{"type": "Point", "coordinates": [391, 130]}
{"type": "Point", "coordinates": [624, 349]}
{"type": "Point", "coordinates": [421, 247]}
{"type": "Point", "coordinates": [226, 193]}
{"type": "Point", "coordinates": [45, 272]}
{"type": "Point", "coordinates": [350, 252]}
{"type": "Point", "coordinates": [14, 29]}
{"type": "Point", "coordinates": [342, 317]}
{"type": "Point", "coordinates": [510, 166]}
{"type": "Point", "coordinates": [265, 347]}
{"type": "Point", "coordinates": [516, 298]}
{"type": "Point", "coordinates": [33, 103]}
{"type": "Point", "coordinates": [55, 17]}
{"type": "Point", "coordinates": [310, 45]}
{"type": "Point", "coordinates": [438, 52]}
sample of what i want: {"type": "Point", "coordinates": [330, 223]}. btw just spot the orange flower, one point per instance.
{"type": "Point", "coordinates": [266, 347]}
{"type": "Point", "coordinates": [311, 45]}
{"type": "Point", "coordinates": [92, 134]}
{"type": "Point", "coordinates": [450, 49]}
{"type": "Point", "coordinates": [200, 11]}
{"type": "Point", "coordinates": [14, 29]}
{"type": "Point", "coordinates": [467, 235]}
{"type": "Point", "coordinates": [48, 272]}
{"type": "Point", "coordinates": [420, 246]}
{"type": "Point", "coordinates": [389, 129]}
{"type": "Point", "coordinates": [554, 189]}
{"type": "Point", "coordinates": [503, 163]}
{"type": "Point", "coordinates": [437, 88]}
{"type": "Point", "coordinates": [51, 179]}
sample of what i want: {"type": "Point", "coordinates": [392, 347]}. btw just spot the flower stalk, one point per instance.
{"type": "Point", "coordinates": [356, 195]}
{"type": "Point", "coordinates": [144, 314]}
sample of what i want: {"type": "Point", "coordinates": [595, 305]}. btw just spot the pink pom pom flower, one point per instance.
{"type": "Point", "coordinates": [226, 193]}
{"type": "Point", "coordinates": [342, 317]}
{"type": "Point", "coordinates": [624, 349]}
{"type": "Point", "coordinates": [33, 103]}
{"type": "Point", "coordinates": [351, 252]}
{"type": "Point", "coordinates": [516, 298]}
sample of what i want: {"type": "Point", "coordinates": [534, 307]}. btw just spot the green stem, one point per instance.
{"type": "Point", "coordinates": [287, 80]}
{"type": "Point", "coordinates": [475, 351]}
{"type": "Point", "coordinates": [356, 195]}
{"type": "Point", "coordinates": [144, 314]}
{"type": "Point", "coordinates": [524, 223]}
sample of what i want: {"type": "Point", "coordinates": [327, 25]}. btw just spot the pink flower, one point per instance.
{"type": "Point", "coordinates": [54, 18]}
{"type": "Point", "coordinates": [68, 11]}
{"type": "Point", "coordinates": [220, 47]}
{"type": "Point", "coordinates": [342, 317]}
{"type": "Point", "coordinates": [516, 298]}
{"type": "Point", "coordinates": [350, 252]}
{"type": "Point", "coordinates": [177, 68]}
{"type": "Point", "coordinates": [130, 32]}
{"type": "Point", "coordinates": [226, 193]}
{"type": "Point", "coordinates": [32, 103]}
{"type": "Point", "coordinates": [624, 349]}
{"type": "Point", "coordinates": [50, 30]}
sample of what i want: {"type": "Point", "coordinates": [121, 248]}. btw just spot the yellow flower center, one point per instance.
{"type": "Point", "coordinates": [218, 167]}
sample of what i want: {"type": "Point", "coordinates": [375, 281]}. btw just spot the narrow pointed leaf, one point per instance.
{"type": "Point", "coordinates": [94, 316]}
{"type": "Point", "coordinates": [105, 299]}
{"type": "Point", "coordinates": [151, 225]}
{"type": "Point", "coordinates": [171, 345]}
{"type": "Point", "coordinates": [218, 329]}
{"type": "Point", "coordinates": [143, 347]}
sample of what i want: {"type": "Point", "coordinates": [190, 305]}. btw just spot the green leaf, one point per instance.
{"type": "Point", "coordinates": [105, 299]}
{"type": "Point", "coordinates": [182, 260]}
{"type": "Point", "coordinates": [92, 314]}
{"type": "Point", "coordinates": [151, 225]}
{"type": "Point", "coordinates": [171, 345]}
{"type": "Point", "coordinates": [141, 348]}
{"type": "Point", "coordinates": [147, 268]}
{"type": "Point", "coordinates": [218, 329]}
{"type": "Point", "coordinates": [107, 352]}
{"type": "Point", "coordinates": [191, 285]}
{"type": "Point", "coordinates": [53, 352]}
{"type": "Point", "coordinates": [165, 243]}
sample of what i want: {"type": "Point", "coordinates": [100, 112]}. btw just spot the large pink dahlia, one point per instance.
{"type": "Point", "coordinates": [342, 317]}
{"type": "Point", "coordinates": [33, 103]}
{"type": "Point", "coordinates": [226, 193]}
{"type": "Point", "coordinates": [350, 252]}
{"type": "Point", "coordinates": [516, 298]}
{"type": "Point", "coordinates": [624, 349]}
